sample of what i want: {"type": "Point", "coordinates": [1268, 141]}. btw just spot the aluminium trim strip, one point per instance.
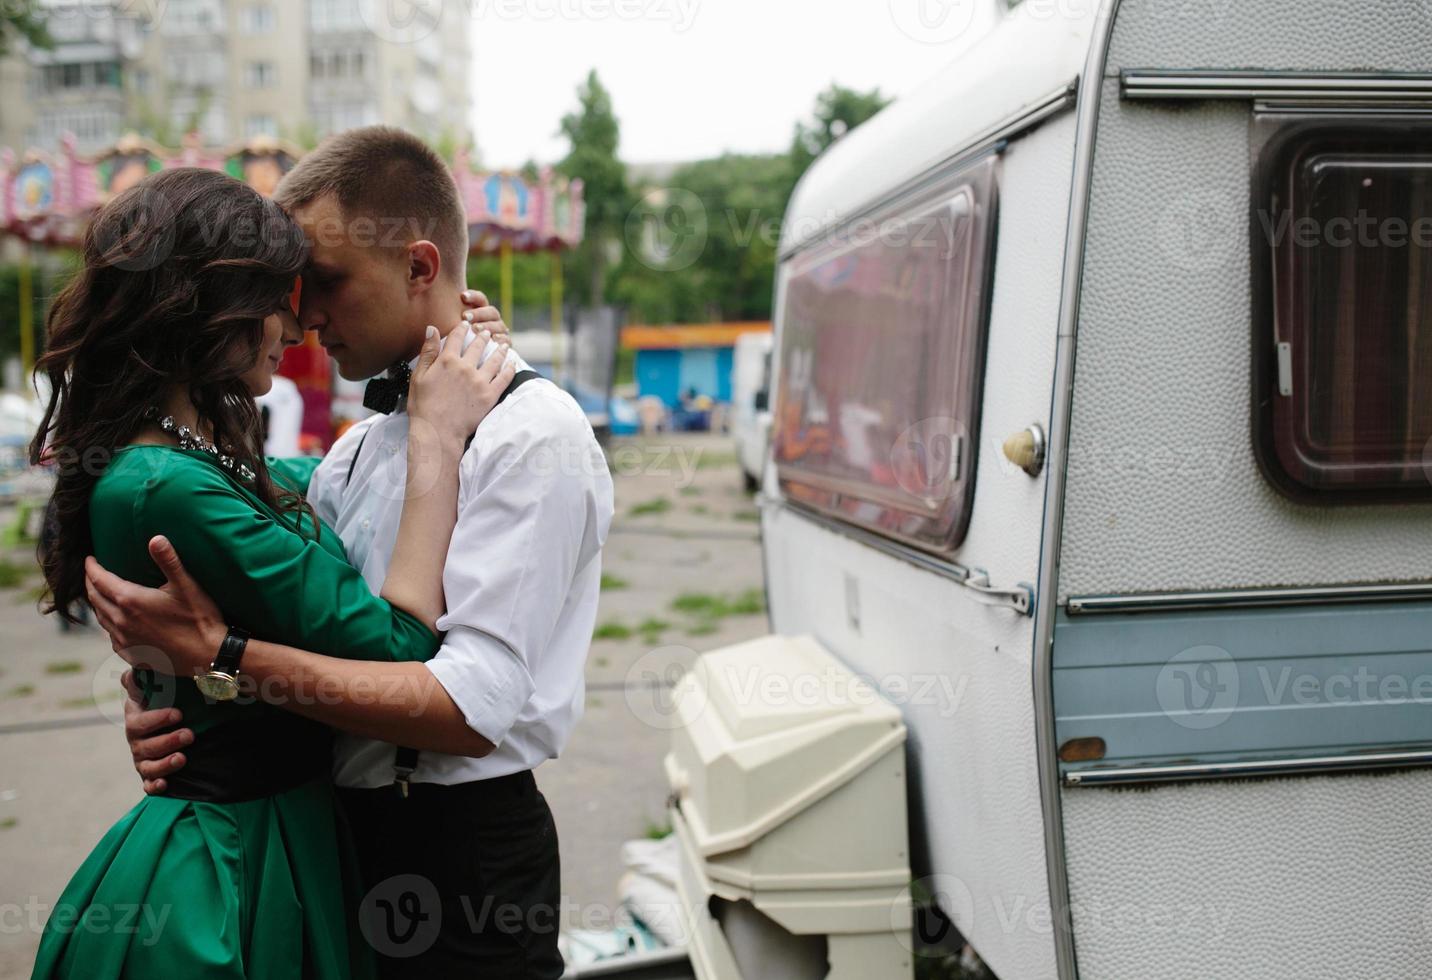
{"type": "Point", "coordinates": [1163, 83]}
{"type": "Point", "coordinates": [1056, 450]}
{"type": "Point", "coordinates": [1019, 597]}
{"type": "Point", "coordinates": [1243, 770]}
{"type": "Point", "coordinates": [1235, 598]}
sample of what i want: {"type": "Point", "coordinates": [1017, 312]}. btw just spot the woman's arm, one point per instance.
{"type": "Point", "coordinates": [449, 396]}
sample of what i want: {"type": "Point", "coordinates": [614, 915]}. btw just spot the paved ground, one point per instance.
{"type": "Point", "coordinates": [684, 531]}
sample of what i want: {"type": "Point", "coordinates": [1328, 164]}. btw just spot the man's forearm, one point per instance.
{"type": "Point", "coordinates": [400, 703]}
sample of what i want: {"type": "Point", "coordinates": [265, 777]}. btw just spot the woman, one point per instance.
{"type": "Point", "coordinates": [156, 351]}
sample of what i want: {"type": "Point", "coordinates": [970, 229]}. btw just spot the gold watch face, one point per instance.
{"type": "Point", "coordinates": [218, 686]}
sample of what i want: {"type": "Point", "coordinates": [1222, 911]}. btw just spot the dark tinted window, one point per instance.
{"type": "Point", "coordinates": [1343, 261]}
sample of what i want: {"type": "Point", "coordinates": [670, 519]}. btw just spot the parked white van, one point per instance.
{"type": "Point", "coordinates": [750, 404]}
{"type": "Point", "coordinates": [1103, 388]}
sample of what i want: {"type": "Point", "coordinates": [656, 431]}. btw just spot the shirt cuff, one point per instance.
{"type": "Point", "coordinates": [485, 679]}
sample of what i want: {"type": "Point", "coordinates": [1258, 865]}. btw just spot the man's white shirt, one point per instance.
{"type": "Point", "coordinates": [522, 577]}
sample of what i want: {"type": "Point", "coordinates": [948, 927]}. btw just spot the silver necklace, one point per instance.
{"type": "Point", "coordinates": [189, 439]}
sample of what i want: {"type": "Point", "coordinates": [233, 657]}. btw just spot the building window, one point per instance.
{"type": "Point", "coordinates": [182, 18]}
{"type": "Point", "coordinates": [1342, 263]}
{"type": "Point", "coordinates": [259, 19]}
{"type": "Point", "coordinates": [334, 117]}
{"type": "Point", "coordinates": [882, 363]}
{"type": "Point", "coordinates": [260, 74]}
{"type": "Point", "coordinates": [196, 69]}
{"type": "Point", "coordinates": [334, 15]}
{"type": "Point", "coordinates": [208, 117]}
{"type": "Point", "coordinates": [260, 125]}
{"type": "Point", "coordinates": [93, 128]}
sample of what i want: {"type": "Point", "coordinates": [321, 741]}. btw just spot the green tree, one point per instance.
{"type": "Point", "coordinates": [23, 20]}
{"type": "Point", "coordinates": [304, 135]}
{"type": "Point", "coordinates": [838, 110]}
{"type": "Point", "coordinates": [593, 135]}
{"type": "Point", "coordinates": [157, 127]}
{"type": "Point", "coordinates": [733, 206]}
{"type": "Point", "coordinates": [723, 219]}
{"type": "Point", "coordinates": [50, 272]}
{"type": "Point", "coordinates": [531, 284]}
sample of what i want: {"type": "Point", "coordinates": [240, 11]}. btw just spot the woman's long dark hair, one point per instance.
{"type": "Point", "coordinates": [179, 273]}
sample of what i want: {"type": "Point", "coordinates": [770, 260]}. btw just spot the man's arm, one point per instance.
{"type": "Point", "coordinates": [399, 703]}
{"type": "Point", "coordinates": [388, 701]}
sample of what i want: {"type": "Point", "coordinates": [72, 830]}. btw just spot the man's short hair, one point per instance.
{"type": "Point", "coordinates": [388, 175]}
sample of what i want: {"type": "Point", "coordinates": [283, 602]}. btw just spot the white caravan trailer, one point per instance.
{"type": "Point", "coordinates": [1103, 382]}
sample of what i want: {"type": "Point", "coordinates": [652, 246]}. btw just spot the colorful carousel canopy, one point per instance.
{"type": "Point", "coordinates": [46, 198]}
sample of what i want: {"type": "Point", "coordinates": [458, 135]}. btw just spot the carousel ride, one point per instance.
{"type": "Point", "coordinates": [46, 200]}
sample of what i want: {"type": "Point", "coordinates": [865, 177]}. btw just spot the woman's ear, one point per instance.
{"type": "Point", "coordinates": [424, 266]}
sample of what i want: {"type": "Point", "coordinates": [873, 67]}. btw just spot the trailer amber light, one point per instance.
{"type": "Point", "coordinates": [1082, 750]}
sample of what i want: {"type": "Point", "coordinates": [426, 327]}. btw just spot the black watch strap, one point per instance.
{"type": "Point", "coordinates": [231, 651]}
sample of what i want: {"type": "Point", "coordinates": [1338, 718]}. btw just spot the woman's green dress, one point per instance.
{"type": "Point", "coordinates": [263, 888]}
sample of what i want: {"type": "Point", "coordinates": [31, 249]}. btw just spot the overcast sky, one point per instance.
{"type": "Point", "coordinates": [693, 78]}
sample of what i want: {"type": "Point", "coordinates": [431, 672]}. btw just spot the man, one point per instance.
{"type": "Point", "coordinates": [457, 846]}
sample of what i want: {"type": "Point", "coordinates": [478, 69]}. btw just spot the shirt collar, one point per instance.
{"type": "Point", "coordinates": [412, 365]}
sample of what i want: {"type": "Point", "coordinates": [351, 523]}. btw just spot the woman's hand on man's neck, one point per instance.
{"type": "Point", "coordinates": [442, 309]}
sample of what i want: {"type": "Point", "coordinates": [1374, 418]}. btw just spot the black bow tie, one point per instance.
{"type": "Point", "coordinates": [386, 393]}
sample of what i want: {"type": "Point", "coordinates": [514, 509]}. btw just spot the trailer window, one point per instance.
{"type": "Point", "coordinates": [1342, 242]}
{"type": "Point", "coordinates": [881, 367]}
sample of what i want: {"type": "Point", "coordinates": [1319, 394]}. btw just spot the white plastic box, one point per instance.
{"type": "Point", "coordinates": [788, 776]}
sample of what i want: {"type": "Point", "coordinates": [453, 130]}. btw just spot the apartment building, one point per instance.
{"type": "Point", "coordinates": [232, 70]}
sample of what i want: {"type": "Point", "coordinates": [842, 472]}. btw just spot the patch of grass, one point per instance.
{"type": "Point", "coordinates": [698, 604]}
{"type": "Point", "coordinates": [64, 667]}
{"type": "Point", "coordinates": [692, 491]}
{"type": "Point", "coordinates": [656, 505]}
{"type": "Point", "coordinates": [8, 823]}
{"type": "Point", "coordinates": [656, 831]}
{"type": "Point", "coordinates": [611, 583]}
{"type": "Point", "coordinates": [601, 661]}
{"type": "Point", "coordinates": [715, 461]}
{"type": "Point", "coordinates": [20, 691]}
{"type": "Point", "coordinates": [12, 574]}
{"type": "Point", "coordinates": [612, 630]}
{"type": "Point", "coordinates": [651, 629]}
{"type": "Point", "coordinates": [700, 509]}
{"type": "Point", "coordinates": [77, 703]}
{"type": "Point", "coordinates": [752, 602]}
{"type": "Point", "coordinates": [746, 515]}
{"type": "Point", "coordinates": [708, 610]}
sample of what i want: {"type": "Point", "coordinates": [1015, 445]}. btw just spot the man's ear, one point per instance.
{"type": "Point", "coordinates": [425, 264]}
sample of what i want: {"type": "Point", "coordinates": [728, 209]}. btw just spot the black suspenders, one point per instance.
{"type": "Point", "coordinates": [405, 760]}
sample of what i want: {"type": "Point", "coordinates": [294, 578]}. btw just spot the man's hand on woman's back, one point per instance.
{"type": "Point", "coordinates": [154, 740]}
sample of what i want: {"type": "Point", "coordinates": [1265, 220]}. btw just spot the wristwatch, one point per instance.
{"type": "Point", "coordinates": [221, 683]}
